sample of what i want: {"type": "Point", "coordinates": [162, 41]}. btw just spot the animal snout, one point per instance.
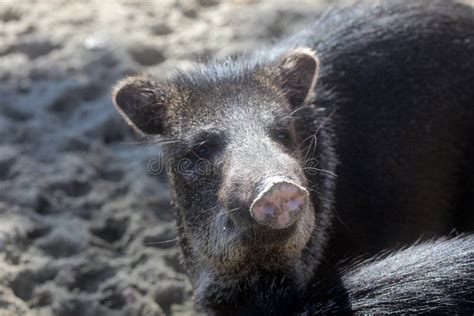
{"type": "Point", "coordinates": [279, 203]}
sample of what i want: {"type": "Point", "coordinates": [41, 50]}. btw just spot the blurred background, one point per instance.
{"type": "Point", "coordinates": [85, 228]}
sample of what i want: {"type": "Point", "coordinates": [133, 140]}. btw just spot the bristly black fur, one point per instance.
{"type": "Point", "coordinates": [430, 278]}
{"type": "Point", "coordinates": [435, 277]}
{"type": "Point", "coordinates": [388, 124]}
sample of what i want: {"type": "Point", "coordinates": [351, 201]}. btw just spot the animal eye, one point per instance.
{"type": "Point", "coordinates": [204, 150]}
{"type": "Point", "coordinates": [283, 136]}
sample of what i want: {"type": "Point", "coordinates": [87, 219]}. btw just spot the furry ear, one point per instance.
{"type": "Point", "coordinates": [298, 72]}
{"type": "Point", "coordinates": [142, 104]}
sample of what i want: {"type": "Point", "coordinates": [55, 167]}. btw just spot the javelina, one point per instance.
{"type": "Point", "coordinates": [353, 136]}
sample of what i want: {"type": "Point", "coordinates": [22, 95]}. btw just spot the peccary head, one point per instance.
{"type": "Point", "coordinates": [236, 162]}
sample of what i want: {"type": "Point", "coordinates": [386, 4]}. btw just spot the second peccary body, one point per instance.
{"type": "Point", "coordinates": [354, 136]}
{"type": "Point", "coordinates": [436, 277]}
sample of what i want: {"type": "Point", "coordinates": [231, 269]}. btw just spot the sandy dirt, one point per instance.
{"type": "Point", "coordinates": [85, 228]}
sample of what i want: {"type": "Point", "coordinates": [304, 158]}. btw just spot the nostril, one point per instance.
{"type": "Point", "coordinates": [279, 203]}
{"type": "Point", "coordinates": [263, 213]}
{"type": "Point", "coordinates": [268, 210]}
{"type": "Point", "coordinates": [295, 204]}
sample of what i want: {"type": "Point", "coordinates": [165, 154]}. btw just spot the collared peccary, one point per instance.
{"type": "Point", "coordinates": [353, 136]}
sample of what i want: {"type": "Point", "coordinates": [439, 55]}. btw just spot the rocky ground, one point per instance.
{"type": "Point", "coordinates": [85, 229]}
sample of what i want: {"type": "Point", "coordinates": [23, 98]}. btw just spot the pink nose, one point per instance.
{"type": "Point", "coordinates": [280, 203]}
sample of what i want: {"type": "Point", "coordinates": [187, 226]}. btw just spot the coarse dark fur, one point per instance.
{"type": "Point", "coordinates": [432, 277]}
{"type": "Point", "coordinates": [371, 109]}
